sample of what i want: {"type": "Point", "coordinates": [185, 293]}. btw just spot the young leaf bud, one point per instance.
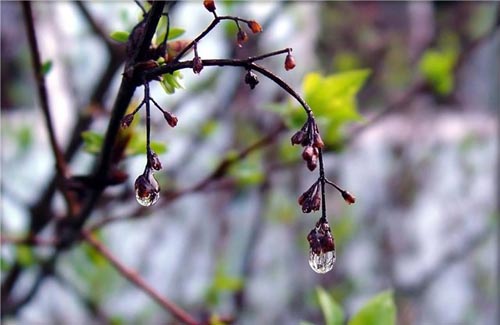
{"type": "Point", "coordinates": [348, 197]}
{"type": "Point", "coordinates": [127, 120]}
{"type": "Point", "coordinates": [241, 38]}
{"type": "Point", "coordinates": [254, 26]}
{"type": "Point", "coordinates": [209, 5]}
{"type": "Point", "coordinates": [251, 79]}
{"type": "Point", "coordinates": [298, 137]}
{"type": "Point", "coordinates": [154, 161]}
{"type": "Point", "coordinates": [197, 65]}
{"type": "Point", "coordinates": [170, 118]}
{"type": "Point", "coordinates": [289, 62]}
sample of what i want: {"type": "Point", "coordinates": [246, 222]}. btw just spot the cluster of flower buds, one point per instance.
{"type": "Point", "coordinates": [320, 238]}
{"type": "Point", "coordinates": [308, 136]}
{"type": "Point", "coordinates": [310, 200]}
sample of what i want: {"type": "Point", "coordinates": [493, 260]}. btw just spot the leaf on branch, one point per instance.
{"type": "Point", "coordinates": [120, 36]}
{"type": "Point", "coordinates": [332, 312]}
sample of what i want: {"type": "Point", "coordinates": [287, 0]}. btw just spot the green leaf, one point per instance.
{"type": "Point", "coordinates": [92, 141]}
{"type": "Point", "coordinates": [46, 66]}
{"type": "Point", "coordinates": [119, 36]}
{"type": "Point", "coordinates": [380, 310]}
{"type": "Point", "coordinates": [171, 82]}
{"type": "Point", "coordinates": [437, 68]}
{"type": "Point", "coordinates": [332, 312]}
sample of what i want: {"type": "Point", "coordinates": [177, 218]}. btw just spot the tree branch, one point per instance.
{"type": "Point", "coordinates": [133, 277]}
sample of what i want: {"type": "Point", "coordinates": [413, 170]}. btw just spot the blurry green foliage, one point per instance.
{"type": "Point", "coordinates": [248, 171]}
{"type": "Point", "coordinates": [92, 143]}
{"type": "Point", "coordinates": [379, 310]}
{"type": "Point", "coordinates": [25, 255]}
{"type": "Point", "coordinates": [437, 64]}
{"type": "Point", "coordinates": [332, 312]}
{"type": "Point", "coordinates": [222, 282]}
{"type": "Point", "coordinates": [119, 36]}
{"type": "Point", "coordinates": [345, 61]}
{"type": "Point", "coordinates": [332, 99]}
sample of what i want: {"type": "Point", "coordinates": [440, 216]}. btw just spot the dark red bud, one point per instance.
{"type": "Point", "coordinates": [154, 161]}
{"type": "Point", "coordinates": [308, 153]}
{"type": "Point", "coordinates": [171, 119]}
{"type": "Point", "coordinates": [289, 62]}
{"type": "Point", "coordinates": [318, 142]}
{"type": "Point", "coordinates": [241, 38]}
{"type": "Point", "coordinates": [316, 202]}
{"type": "Point", "coordinates": [298, 137]}
{"type": "Point", "coordinates": [197, 65]}
{"type": "Point", "coordinates": [209, 5]}
{"type": "Point", "coordinates": [348, 197]}
{"type": "Point", "coordinates": [313, 163]}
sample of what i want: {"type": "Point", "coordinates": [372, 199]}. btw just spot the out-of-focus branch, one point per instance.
{"type": "Point", "coordinates": [61, 166]}
{"type": "Point", "coordinates": [96, 27]}
{"type": "Point", "coordinates": [133, 277]}
{"type": "Point", "coordinates": [30, 240]}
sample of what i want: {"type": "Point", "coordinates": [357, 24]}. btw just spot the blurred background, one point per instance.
{"type": "Point", "coordinates": [418, 149]}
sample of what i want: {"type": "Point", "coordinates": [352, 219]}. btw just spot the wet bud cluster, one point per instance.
{"type": "Point", "coordinates": [251, 79]}
{"type": "Point", "coordinates": [322, 247]}
{"type": "Point", "coordinates": [308, 137]}
{"type": "Point", "coordinates": [147, 189]}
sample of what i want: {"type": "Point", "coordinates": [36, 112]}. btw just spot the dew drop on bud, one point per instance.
{"type": "Point", "coordinates": [147, 190]}
{"type": "Point", "coordinates": [322, 262]}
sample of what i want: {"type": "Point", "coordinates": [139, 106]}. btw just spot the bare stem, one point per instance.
{"type": "Point", "coordinates": [133, 277]}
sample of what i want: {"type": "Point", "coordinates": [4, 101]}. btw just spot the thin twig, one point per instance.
{"type": "Point", "coordinates": [61, 165]}
{"type": "Point", "coordinates": [133, 277]}
{"type": "Point", "coordinates": [30, 240]}
{"type": "Point", "coordinates": [96, 27]}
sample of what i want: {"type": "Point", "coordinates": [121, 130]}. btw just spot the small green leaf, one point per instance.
{"type": "Point", "coordinates": [119, 36]}
{"type": "Point", "coordinates": [92, 141]}
{"type": "Point", "coordinates": [332, 312]}
{"type": "Point", "coordinates": [46, 66]}
{"type": "Point", "coordinates": [380, 310]}
{"type": "Point", "coordinates": [170, 82]}
{"type": "Point", "coordinates": [437, 68]}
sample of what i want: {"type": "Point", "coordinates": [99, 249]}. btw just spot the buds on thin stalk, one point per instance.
{"type": "Point", "coordinates": [251, 79]}
{"type": "Point", "coordinates": [321, 248]}
{"type": "Point", "coordinates": [348, 197]}
{"type": "Point", "coordinates": [310, 200]}
{"type": "Point", "coordinates": [254, 26]}
{"type": "Point", "coordinates": [209, 5]}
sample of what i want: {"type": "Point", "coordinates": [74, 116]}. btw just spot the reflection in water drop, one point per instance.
{"type": "Point", "coordinates": [322, 262]}
{"type": "Point", "coordinates": [147, 190]}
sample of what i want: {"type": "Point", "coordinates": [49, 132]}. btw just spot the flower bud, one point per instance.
{"type": "Point", "coordinates": [147, 189]}
{"type": "Point", "coordinates": [308, 153]}
{"type": "Point", "coordinates": [318, 142]}
{"type": "Point", "coordinates": [209, 5]}
{"type": "Point", "coordinates": [127, 120]}
{"type": "Point", "coordinates": [197, 65]}
{"type": "Point", "coordinates": [313, 163]}
{"type": "Point", "coordinates": [289, 62]}
{"type": "Point", "coordinates": [251, 79]}
{"type": "Point", "coordinates": [171, 118]}
{"type": "Point", "coordinates": [241, 38]}
{"type": "Point", "coordinates": [316, 202]}
{"type": "Point", "coordinates": [298, 137]}
{"type": "Point", "coordinates": [254, 26]}
{"type": "Point", "coordinates": [154, 161]}
{"type": "Point", "coordinates": [348, 197]}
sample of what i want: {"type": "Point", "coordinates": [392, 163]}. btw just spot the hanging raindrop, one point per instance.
{"type": "Point", "coordinates": [322, 262]}
{"type": "Point", "coordinates": [147, 190]}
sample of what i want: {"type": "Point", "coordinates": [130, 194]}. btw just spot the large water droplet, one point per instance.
{"type": "Point", "coordinates": [147, 190]}
{"type": "Point", "coordinates": [322, 262]}
{"type": "Point", "coordinates": [147, 199]}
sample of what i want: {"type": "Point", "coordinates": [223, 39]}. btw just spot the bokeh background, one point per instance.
{"type": "Point", "coordinates": [421, 160]}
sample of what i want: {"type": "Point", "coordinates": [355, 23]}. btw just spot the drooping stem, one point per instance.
{"type": "Point", "coordinates": [322, 180]}
{"type": "Point", "coordinates": [148, 122]}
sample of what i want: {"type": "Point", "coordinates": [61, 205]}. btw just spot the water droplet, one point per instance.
{"type": "Point", "coordinates": [147, 190]}
{"type": "Point", "coordinates": [322, 262]}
